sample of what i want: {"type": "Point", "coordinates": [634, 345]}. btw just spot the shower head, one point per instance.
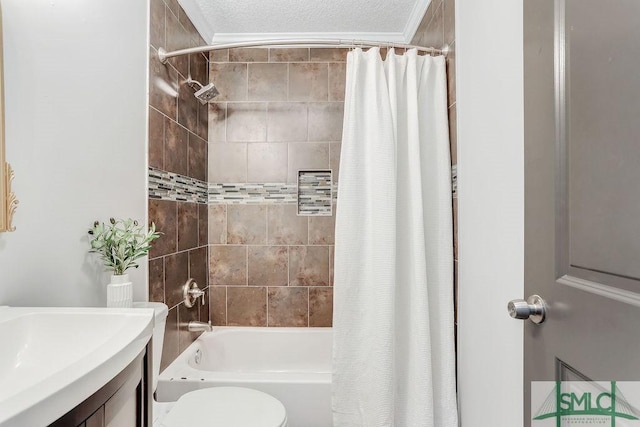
{"type": "Point", "coordinates": [204, 94]}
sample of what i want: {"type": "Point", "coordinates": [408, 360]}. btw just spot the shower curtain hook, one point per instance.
{"type": "Point", "coordinates": [389, 46]}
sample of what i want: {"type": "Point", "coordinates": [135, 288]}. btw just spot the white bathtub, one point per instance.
{"type": "Point", "coordinates": [291, 364]}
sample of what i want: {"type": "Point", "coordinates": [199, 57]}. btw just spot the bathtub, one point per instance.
{"type": "Point", "coordinates": [291, 364]}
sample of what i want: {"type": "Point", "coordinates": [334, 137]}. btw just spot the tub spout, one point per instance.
{"type": "Point", "coordinates": [194, 326]}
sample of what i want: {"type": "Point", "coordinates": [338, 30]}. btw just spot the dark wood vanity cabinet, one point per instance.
{"type": "Point", "coordinates": [125, 401]}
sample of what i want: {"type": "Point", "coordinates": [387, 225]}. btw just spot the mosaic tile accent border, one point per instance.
{"type": "Point", "coordinates": [240, 193]}
{"type": "Point", "coordinates": [236, 193]}
{"type": "Point", "coordinates": [171, 186]}
{"type": "Point", "coordinates": [314, 193]}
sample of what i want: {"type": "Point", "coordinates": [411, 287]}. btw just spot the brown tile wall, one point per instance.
{"type": "Point", "coordinates": [438, 29]}
{"type": "Point", "coordinates": [270, 267]}
{"type": "Point", "coordinates": [280, 111]}
{"type": "Point", "coordinates": [178, 142]}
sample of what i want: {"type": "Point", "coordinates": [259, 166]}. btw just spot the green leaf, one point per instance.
{"type": "Point", "coordinates": [120, 243]}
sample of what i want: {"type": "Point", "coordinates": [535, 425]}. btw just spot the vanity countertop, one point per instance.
{"type": "Point", "coordinates": [52, 359]}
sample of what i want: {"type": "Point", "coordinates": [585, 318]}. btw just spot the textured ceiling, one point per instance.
{"type": "Point", "coordinates": [243, 20]}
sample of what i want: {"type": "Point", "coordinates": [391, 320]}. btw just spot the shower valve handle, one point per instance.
{"type": "Point", "coordinates": [195, 293]}
{"type": "Point", "coordinates": [191, 292]}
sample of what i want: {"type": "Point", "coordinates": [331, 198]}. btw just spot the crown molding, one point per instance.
{"type": "Point", "coordinates": [208, 33]}
{"type": "Point", "coordinates": [197, 17]}
{"type": "Point", "coordinates": [415, 18]}
{"type": "Point", "coordinates": [246, 37]}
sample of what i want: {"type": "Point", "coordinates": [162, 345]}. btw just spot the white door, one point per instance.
{"type": "Point", "coordinates": [582, 191]}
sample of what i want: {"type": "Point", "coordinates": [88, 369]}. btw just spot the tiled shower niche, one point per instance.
{"type": "Point", "coordinates": [315, 193]}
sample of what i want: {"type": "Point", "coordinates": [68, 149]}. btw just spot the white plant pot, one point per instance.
{"type": "Point", "coordinates": [120, 291]}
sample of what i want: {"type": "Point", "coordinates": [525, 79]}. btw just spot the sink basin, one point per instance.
{"type": "Point", "coordinates": [52, 359]}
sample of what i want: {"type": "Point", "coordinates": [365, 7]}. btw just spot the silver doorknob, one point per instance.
{"type": "Point", "coordinates": [534, 309]}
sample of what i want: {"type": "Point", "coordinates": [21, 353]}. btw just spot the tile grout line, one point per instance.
{"type": "Point", "coordinates": [226, 121]}
{"type": "Point", "coordinates": [267, 305]}
{"type": "Point", "coordinates": [443, 22]}
{"type": "Point", "coordinates": [177, 213]}
{"type": "Point", "coordinates": [288, 81]}
{"type": "Point", "coordinates": [246, 265]}
{"type": "Point", "coordinates": [328, 83]}
{"type": "Point", "coordinates": [226, 307]}
{"type": "Point", "coordinates": [288, 265]}
{"type": "Point", "coordinates": [164, 285]}
{"type": "Point", "coordinates": [182, 251]}
{"type": "Point", "coordinates": [226, 225]}
{"type": "Point", "coordinates": [308, 308]}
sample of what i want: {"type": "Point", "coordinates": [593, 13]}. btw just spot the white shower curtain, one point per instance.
{"type": "Point", "coordinates": [394, 362]}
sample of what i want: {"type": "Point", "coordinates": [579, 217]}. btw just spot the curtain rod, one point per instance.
{"type": "Point", "coordinates": [317, 43]}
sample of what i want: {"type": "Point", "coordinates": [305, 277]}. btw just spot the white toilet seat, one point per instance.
{"type": "Point", "coordinates": [228, 407]}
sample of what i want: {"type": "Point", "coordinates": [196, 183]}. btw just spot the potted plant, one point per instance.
{"type": "Point", "coordinates": [119, 244]}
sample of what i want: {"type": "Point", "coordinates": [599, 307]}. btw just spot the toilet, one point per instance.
{"type": "Point", "coordinates": [215, 406]}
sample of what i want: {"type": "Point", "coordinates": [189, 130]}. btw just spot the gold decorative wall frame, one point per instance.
{"type": "Point", "coordinates": [8, 201]}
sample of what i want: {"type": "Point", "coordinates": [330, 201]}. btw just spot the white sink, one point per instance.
{"type": "Point", "coordinates": [52, 359]}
